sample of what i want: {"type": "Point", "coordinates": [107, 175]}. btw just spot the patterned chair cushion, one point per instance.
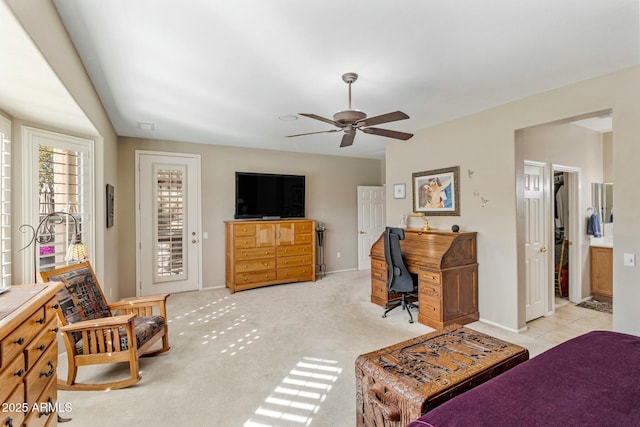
{"type": "Point", "coordinates": [145, 328]}
{"type": "Point", "coordinates": [80, 298]}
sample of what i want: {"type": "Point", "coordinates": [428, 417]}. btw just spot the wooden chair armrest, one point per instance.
{"type": "Point", "coordinates": [139, 301]}
{"type": "Point", "coordinates": [106, 322]}
{"type": "Point", "coordinates": [143, 306]}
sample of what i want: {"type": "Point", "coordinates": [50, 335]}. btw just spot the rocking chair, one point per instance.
{"type": "Point", "coordinates": [94, 335]}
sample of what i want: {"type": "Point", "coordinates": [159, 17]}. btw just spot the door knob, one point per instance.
{"type": "Point", "coordinates": [543, 249]}
{"type": "Point", "coordinates": [363, 232]}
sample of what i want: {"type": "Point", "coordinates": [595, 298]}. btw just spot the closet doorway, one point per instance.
{"type": "Point", "coordinates": [566, 218]}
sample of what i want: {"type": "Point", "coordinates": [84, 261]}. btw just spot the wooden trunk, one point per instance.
{"type": "Point", "coordinates": [399, 383]}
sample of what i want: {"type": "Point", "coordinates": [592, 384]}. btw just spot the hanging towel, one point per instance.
{"type": "Point", "coordinates": [593, 226]}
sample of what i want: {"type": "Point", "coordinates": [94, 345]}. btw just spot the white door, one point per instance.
{"type": "Point", "coordinates": [168, 223]}
{"type": "Point", "coordinates": [536, 237]}
{"type": "Point", "coordinates": [371, 221]}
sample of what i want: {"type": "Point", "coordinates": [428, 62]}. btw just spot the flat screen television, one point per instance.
{"type": "Point", "coordinates": [269, 196]}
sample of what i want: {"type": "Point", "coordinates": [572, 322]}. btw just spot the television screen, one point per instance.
{"type": "Point", "coordinates": [269, 196]}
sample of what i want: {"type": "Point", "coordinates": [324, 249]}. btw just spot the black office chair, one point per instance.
{"type": "Point", "coordinates": [400, 280]}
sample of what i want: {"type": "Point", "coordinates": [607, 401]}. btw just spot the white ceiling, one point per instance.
{"type": "Point", "coordinates": [217, 72]}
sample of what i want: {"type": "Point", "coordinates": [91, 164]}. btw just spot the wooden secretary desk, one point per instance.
{"type": "Point", "coordinates": [447, 270]}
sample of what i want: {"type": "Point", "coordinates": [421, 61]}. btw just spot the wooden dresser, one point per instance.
{"type": "Point", "coordinates": [447, 270]}
{"type": "Point", "coordinates": [261, 253]}
{"type": "Point", "coordinates": [601, 259]}
{"type": "Point", "coordinates": [29, 355]}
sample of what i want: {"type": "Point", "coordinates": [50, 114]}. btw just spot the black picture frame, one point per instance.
{"type": "Point", "coordinates": [110, 205]}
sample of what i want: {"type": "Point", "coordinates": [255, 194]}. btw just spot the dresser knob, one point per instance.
{"type": "Point", "coordinates": [19, 373]}
{"type": "Point", "coordinates": [40, 321]}
{"type": "Point", "coordinates": [41, 347]}
{"type": "Point", "coordinates": [19, 341]}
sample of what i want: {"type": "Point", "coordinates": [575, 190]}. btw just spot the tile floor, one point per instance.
{"type": "Point", "coordinates": [568, 322]}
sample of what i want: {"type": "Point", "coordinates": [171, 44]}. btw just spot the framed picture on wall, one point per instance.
{"type": "Point", "coordinates": [436, 192]}
{"type": "Point", "coordinates": [399, 191]}
{"type": "Point", "coordinates": [110, 205]}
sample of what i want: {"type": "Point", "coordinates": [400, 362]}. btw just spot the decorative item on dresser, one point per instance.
{"type": "Point", "coordinates": [262, 253]}
{"type": "Point", "coordinates": [29, 355]}
{"type": "Point", "coordinates": [447, 270]}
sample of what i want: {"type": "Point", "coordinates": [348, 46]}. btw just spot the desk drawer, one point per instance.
{"type": "Point", "coordinates": [433, 290]}
{"type": "Point", "coordinates": [46, 407]}
{"type": "Point", "coordinates": [429, 276]}
{"type": "Point", "coordinates": [430, 306]}
{"type": "Point", "coordinates": [379, 264]}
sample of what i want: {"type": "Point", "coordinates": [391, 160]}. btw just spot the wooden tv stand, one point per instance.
{"type": "Point", "coordinates": [262, 253]}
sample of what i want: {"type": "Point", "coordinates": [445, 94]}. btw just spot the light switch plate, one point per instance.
{"type": "Point", "coordinates": [629, 260]}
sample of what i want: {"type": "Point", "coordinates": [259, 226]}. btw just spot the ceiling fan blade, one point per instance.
{"type": "Point", "coordinates": [322, 119]}
{"type": "Point", "coordinates": [388, 133]}
{"type": "Point", "coordinates": [347, 139]}
{"type": "Point", "coordinates": [312, 133]}
{"type": "Point", "coordinates": [384, 118]}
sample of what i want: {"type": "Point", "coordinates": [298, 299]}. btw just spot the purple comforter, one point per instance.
{"type": "Point", "coordinates": [591, 380]}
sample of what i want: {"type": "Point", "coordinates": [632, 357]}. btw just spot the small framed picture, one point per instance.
{"type": "Point", "coordinates": [399, 191]}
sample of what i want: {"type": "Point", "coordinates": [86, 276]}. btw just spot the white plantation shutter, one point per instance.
{"type": "Point", "coordinates": [5, 202]}
{"type": "Point", "coordinates": [169, 221]}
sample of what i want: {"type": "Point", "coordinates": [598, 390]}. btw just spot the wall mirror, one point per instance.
{"type": "Point", "coordinates": [602, 194]}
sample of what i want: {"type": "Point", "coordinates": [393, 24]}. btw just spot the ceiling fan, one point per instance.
{"type": "Point", "coordinates": [351, 120]}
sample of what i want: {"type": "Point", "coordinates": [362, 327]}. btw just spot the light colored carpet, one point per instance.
{"type": "Point", "coordinates": [276, 356]}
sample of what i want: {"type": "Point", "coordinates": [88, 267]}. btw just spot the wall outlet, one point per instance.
{"type": "Point", "coordinates": [205, 235]}
{"type": "Point", "coordinates": [338, 255]}
{"type": "Point", "coordinates": [629, 260]}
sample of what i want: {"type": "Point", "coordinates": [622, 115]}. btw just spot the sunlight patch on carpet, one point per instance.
{"type": "Point", "coordinates": [299, 396]}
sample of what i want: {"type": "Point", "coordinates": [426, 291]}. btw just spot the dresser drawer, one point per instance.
{"type": "Point", "coordinates": [244, 242]}
{"type": "Point", "coordinates": [302, 238]}
{"type": "Point", "coordinates": [39, 376]}
{"type": "Point", "coordinates": [15, 343]}
{"type": "Point", "coordinates": [11, 376]}
{"type": "Point", "coordinates": [429, 276]}
{"type": "Point", "coordinates": [294, 261]}
{"type": "Point", "coordinates": [51, 309]}
{"type": "Point", "coordinates": [45, 409]}
{"type": "Point", "coordinates": [39, 345]}
{"type": "Point", "coordinates": [12, 411]}
{"type": "Point", "coordinates": [244, 230]}
{"type": "Point", "coordinates": [254, 253]}
{"type": "Point", "coordinates": [295, 273]}
{"type": "Point", "coordinates": [303, 227]}
{"type": "Point", "coordinates": [255, 265]}
{"type": "Point", "coordinates": [293, 250]}
{"type": "Point", "coordinates": [255, 277]}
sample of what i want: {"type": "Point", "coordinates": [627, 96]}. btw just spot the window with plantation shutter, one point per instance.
{"type": "Point", "coordinates": [5, 202]}
{"type": "Point", "coordinates": [170, 231]}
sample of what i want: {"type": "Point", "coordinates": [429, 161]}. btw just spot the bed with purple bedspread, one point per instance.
{"type": "Point", "coordinates": [591, 380]}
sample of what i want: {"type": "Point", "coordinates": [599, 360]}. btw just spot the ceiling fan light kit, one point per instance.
{"type": "Point", "coordinates": [351, 120]}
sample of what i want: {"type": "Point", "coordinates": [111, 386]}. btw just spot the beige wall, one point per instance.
{"type": "Point", "coordinates": [575, 147]}
{"type": "Point", "coordinates": [40, 20]}
{"type": "Point", "coordinates": [331, 198]}
{"type": "Point", "coordinates": [485, 143]}
{"type": "Point", "coordinates": [607, 156]}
